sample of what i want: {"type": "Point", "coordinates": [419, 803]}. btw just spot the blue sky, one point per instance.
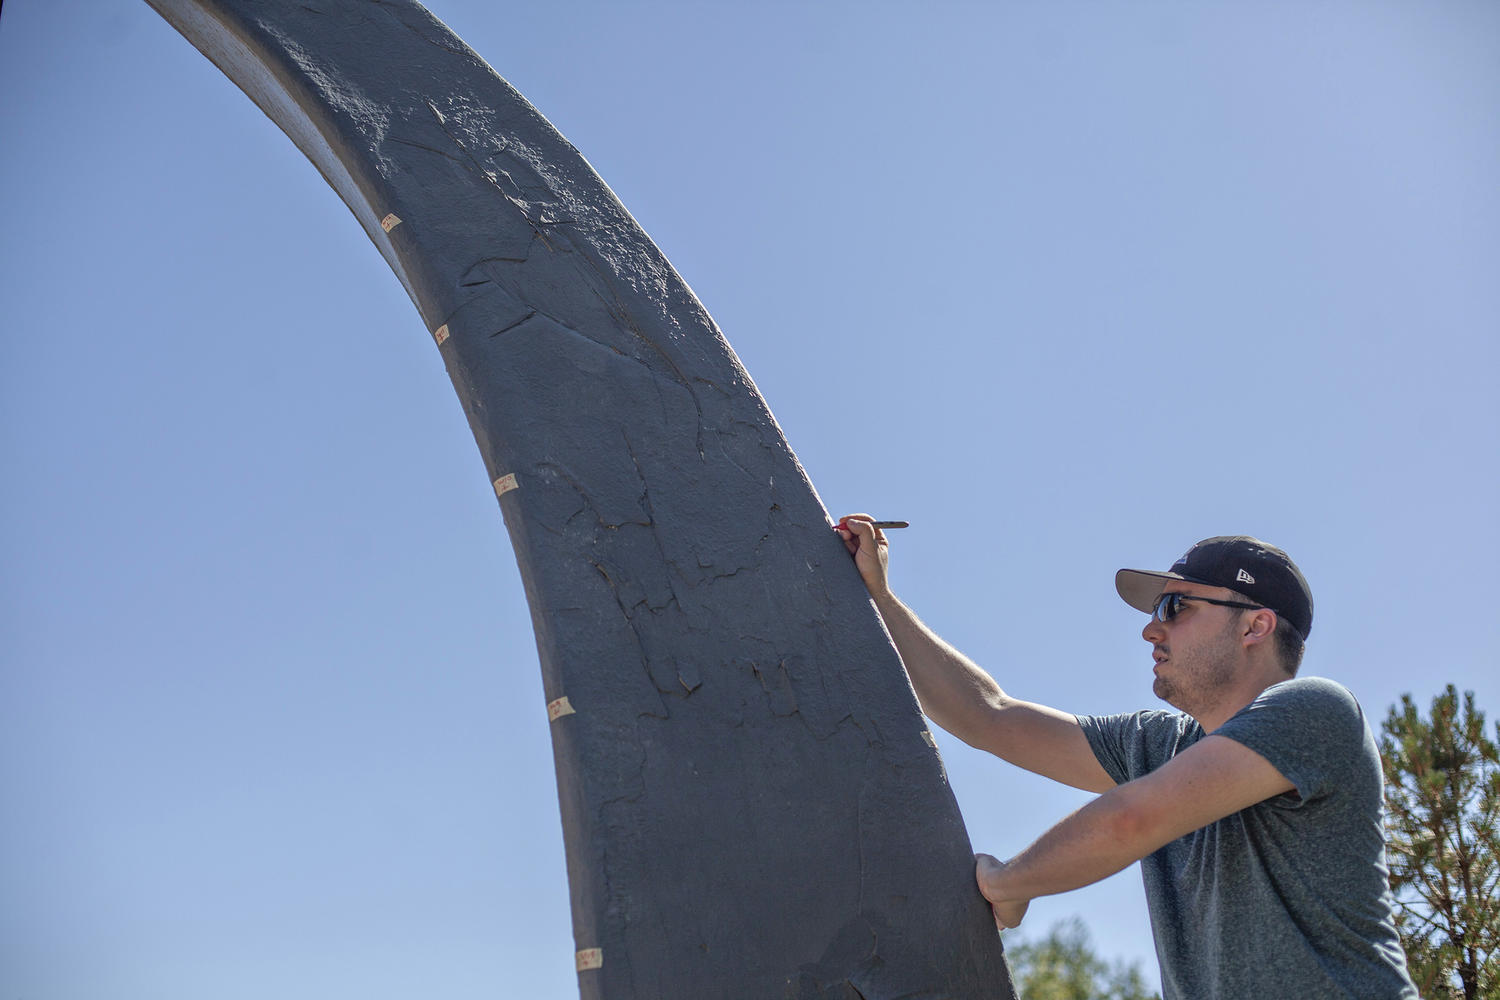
{"type": "Point", "coordinates": [1067, 285]}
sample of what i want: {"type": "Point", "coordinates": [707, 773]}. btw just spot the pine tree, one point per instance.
{"type": "Point", "coordinates": [1063, 966]}
{"type": "Point", "coordinates": [1442, 806]}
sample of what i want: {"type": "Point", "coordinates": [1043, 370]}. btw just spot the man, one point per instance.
{"type": "Point", "coordinates": [1255, 809]}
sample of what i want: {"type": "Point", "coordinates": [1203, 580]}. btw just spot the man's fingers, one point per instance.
{"type": "Point", "coordinates": [985, 865]}
{"type": "Point", "coordinates": [859, 526]}
{"type": "Point", "coordinates": [851, 528]}
{"type": "Point", "coordinates": [1008, 913]}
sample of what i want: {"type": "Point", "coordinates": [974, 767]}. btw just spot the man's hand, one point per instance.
{"type": "Point", "coordinates": [989, 872]}
{"type": "Point", "coordinates": [870, 550]}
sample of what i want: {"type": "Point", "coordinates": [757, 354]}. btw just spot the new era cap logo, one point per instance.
{"type": "Point", "coordinates": [1243, 577]}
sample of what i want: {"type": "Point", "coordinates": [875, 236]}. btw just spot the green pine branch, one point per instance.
{"type": "Point", "coordinates": [1442, 778]}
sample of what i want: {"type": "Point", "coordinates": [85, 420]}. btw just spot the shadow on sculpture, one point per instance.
{"type": "Point", "coordinates": [751, 802]}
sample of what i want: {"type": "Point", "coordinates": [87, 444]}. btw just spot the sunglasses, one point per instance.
{"type": "Point", "coordinates": [1168, 605]}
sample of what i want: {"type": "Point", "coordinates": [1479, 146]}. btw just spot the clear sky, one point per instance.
{"type": "Point", "coordinates": [1067, 285]}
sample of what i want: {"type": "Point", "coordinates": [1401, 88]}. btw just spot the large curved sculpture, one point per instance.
{"type": "Point", "coordinates": [751, 802]}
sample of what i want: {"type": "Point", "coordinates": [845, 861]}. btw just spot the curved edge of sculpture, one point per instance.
{"type": "Point", "coordinates": [748, 791]}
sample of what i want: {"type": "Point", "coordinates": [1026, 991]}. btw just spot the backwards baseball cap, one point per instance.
{"type": "Point", "coordinates": [1247, 565]}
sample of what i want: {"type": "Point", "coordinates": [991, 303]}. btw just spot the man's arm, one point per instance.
{"type": "Point", "coordinates": [1214, 778]}
{"type": "Point", "coordinates": [963, 699]}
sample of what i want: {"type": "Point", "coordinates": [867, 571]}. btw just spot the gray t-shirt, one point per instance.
{"type": "Point", "coordinates": [1288, 898]}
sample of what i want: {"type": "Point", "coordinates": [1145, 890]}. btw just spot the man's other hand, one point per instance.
{"type": "Point", "coordinates": [989, 872]}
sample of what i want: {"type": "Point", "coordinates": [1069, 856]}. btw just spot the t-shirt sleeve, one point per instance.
{"type": "Point", "coordinates": [1130, 745]}
{"type": "Point", "coordinates": [1310, 729]}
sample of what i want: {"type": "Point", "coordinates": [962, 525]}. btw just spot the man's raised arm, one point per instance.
{"type": "Point", "coordinates": [959, 696]}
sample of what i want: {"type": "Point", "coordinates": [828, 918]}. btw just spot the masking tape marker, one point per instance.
{"type": "Point", "coordinates": [505, 484]}
{"type": "Point", "coordinates": [440, 334]}
{"type": "Point", "coordinates": [928, 739]}
{"type": "Point", "coordinates": [559, 708]}
{"type": "Point", "coordinates": [390, 222]}
{"type": "Point", "coordinates": [589, 958]}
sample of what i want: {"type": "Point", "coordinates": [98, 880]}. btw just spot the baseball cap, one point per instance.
{"type": "Point", "coordinates": [1248, 565]}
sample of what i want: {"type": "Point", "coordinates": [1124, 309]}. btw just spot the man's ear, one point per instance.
{"type": "Point", "coordinates": [1261, 625]}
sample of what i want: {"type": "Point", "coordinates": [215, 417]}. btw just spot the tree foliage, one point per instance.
{"type": "Point", "coordinates": [1063, 966]}
{"type": "Point", "coordinates": [1442, 805]}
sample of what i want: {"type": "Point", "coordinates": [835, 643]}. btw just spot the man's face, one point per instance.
{"type": "Point", "coordinates": [1196, 652]}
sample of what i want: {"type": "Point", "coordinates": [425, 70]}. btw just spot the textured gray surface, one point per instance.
{"type": "Point", "coordinates": [749, 804]}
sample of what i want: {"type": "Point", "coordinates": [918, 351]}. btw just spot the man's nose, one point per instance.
{"type": "Point", "coordinates": [1154, 631]}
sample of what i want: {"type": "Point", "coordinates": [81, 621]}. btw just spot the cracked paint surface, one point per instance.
{"type": "Point", "coordinates": [749, 806]}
